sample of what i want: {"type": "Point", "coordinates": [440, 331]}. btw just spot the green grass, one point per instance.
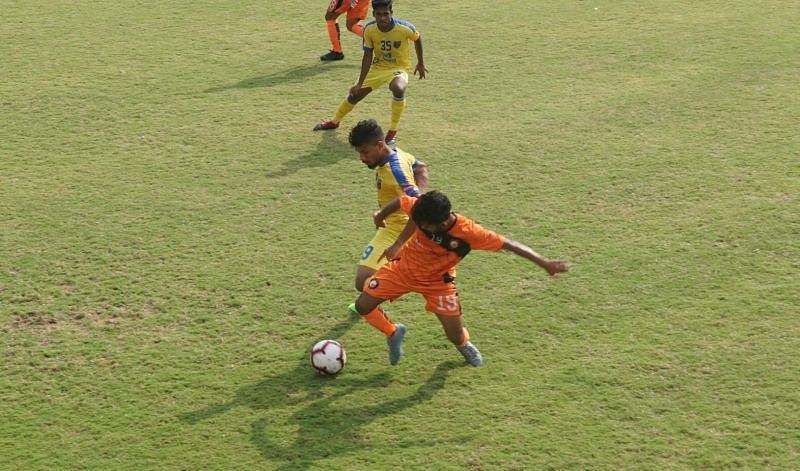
{"type": "Point", "coordinates": [173, 238]}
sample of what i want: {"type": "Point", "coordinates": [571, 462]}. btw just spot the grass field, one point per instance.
{"type": "Point", "coordinates": [173, 238]}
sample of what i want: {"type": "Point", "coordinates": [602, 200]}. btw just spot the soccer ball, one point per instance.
{"type": "Point", "coordinates": [328, 357]}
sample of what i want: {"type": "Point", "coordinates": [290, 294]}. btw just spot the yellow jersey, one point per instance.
{"type": "Point", "coordinates": [391, 48]}
{"type": "Point", "coordinates": [393, 179]}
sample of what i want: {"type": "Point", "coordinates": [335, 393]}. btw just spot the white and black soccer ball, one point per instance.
{"type": "Point", "coordinates": [328, 357]}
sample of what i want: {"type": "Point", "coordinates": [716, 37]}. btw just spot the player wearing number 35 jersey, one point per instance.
{"type": "Point", "coordinates": [426, 265]}
{"type": "Point", "coordinates": [387, 60]}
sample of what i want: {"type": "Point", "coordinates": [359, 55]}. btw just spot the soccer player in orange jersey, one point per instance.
{"type": "Point", "coordinates": [426, 265]}
{"type": "Point", "coordinates": [356, 11]}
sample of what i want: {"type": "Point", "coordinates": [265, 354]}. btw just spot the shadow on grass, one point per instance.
{"type": "Point", "coordinates": [329, 150]}
{"type": "Point", "coordinates": [293, 75]}
{"type": "Point", "coordinates": [326, 427]}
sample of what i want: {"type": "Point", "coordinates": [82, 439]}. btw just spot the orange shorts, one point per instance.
{"type": "Point", "coordinates": [441, 297]}
{"type": "Point", "coordinates": [343, 6]}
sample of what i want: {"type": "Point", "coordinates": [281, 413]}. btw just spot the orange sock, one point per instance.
{"type": "Point", "coordinates": [378, 319]}
{"type": "Point", "coordinates": [358, 30]}
{"type": "Point", "coordinates": [333, 35]}
{"type": "Point", "coordinates": [466, 337]}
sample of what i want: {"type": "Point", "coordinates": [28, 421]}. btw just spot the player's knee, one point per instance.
{"type": "Point", "coordinates": [363, 306]}
{"type": "Point", "coordinates": [398, 90]}
{"type": "Point", "coordinates": [360, 280]}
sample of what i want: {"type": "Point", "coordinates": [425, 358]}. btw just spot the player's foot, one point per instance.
{"type": "Point", "coordinates": [471, 354]}
{"type": "Point", "coordinates": [352, 309]}
{"type": "Point", "coordinates": [332, 56]}
{"type": "Point", "coordinates": [325, 125]}
{"type": "Point", "coordinates": [395, 342]}
{"type": "Point", "coordinates": [391, 139]}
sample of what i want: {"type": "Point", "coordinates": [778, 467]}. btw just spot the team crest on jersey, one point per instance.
{"type": "Point", "coordinates": [373, 283]}
{"type": "Point", "coordinates": [453, 244]}
{"type": "Point", "coordinates": [397, 44]}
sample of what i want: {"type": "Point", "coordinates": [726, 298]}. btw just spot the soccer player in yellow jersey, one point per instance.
{"type": "Point", "coordinates": [397, 173]}
{"type": "Point", "coordinates": [387, 59]}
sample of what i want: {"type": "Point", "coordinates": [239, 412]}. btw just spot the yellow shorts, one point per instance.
{"type": "Point", "coordinates": [377, 78]}
{"type": "Point", "coordinates": [382, 240]}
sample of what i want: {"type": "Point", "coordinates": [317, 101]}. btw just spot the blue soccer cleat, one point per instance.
{"type": "Point", "coordinates": [471, 354]}
{"type": "Point", "coordinates": [395, 342]}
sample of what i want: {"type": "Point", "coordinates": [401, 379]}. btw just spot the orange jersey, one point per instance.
{"type": "Point", "coordinates": [429, 256]}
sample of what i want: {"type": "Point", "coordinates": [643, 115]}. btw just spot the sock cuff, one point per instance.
{"type": "Point", "coordinates": [466, 337]}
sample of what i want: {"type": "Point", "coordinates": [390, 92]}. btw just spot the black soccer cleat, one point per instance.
{"type": "Point", "coordinates": [332, 56]}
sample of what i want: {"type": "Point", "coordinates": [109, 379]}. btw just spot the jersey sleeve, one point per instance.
{"type": "Point", "coordinates": [413, 34]}
{"type": "Point", "coordinates": [407, 203]}
{"type": "Point", "coordinates": [402, 177]}
{"type": "Point", "coordinates": [481, 238]}
{"type": "Point", "coordinates": [368, 43]}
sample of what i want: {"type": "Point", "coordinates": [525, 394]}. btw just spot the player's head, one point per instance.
{"type": "Point", "coordinates": [432, 212]}
{"type": "Point", "coordinates": [382, 11]}
{"type": "Point", "coordinates": [367, 138]}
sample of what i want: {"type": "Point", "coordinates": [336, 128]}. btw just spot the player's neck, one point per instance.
{"type": "Point", "coordinates": [387, 154]}
{"type": "Point", "coordinates": [389, 26]}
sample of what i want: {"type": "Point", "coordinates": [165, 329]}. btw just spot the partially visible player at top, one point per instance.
{"type": "Point", "coordinates": [356, 11]}
{"type": "Point", "coordinates": [426, 265]}
{"type": "Point", "coordinates": [386, 60]}
{"type": "Point", "coordinates": [397, 173]}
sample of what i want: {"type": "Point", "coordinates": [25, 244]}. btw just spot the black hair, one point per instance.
{"type": "Point", "coordinates": [381, 4]}
{"type": "Point", "coordinates": [365, 132]}
{"type": "Point", "coordinates": [431, 208]}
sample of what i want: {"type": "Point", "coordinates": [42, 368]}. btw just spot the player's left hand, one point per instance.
{"type": "Point", "coordinates": [420, 70]}
{"type": "Point", "coordinates": [378, 219]}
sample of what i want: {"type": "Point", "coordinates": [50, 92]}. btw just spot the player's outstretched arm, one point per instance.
{"type": "Point", "coordinates": [379, 216]}
{"type": "Point", "coordinates": [366, 63]}
{"type": "Point", "coordinates": [391, 252]}
{"type": "Point", "coordinates": [552, 267]}
{"type": "Point", "coordinates": [421, 176]}
{"type": "Point", "coordinates": [420, 69]}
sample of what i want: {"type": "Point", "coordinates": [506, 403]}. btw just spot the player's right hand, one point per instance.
{"type": "Point", "coordinates": [355, 90]}
{"type": "Point", "coordinates": [378, 219]}
{"type": "Point", "coordinates": [555, 267]}
{"type": "Point", "coordinates": [390, 253]}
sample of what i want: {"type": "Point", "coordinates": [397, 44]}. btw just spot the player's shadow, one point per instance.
{"type": "Point", "coordinates": [327, 427]}
{"type": "Point", "coordinates": [329, 150]}
{"type": "Point", "coordinates": [293, 75]}
{"type": "Point", "coordinates": [324, 429]}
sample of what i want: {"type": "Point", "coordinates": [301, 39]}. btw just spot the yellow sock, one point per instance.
{"type": "Point", "coordinates": [342, 111]}
{"type": "Point", "coordinates": [397, 111]}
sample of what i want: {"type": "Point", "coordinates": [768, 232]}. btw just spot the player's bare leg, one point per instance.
{"type": "Point", "coordinates": [456, 333]}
